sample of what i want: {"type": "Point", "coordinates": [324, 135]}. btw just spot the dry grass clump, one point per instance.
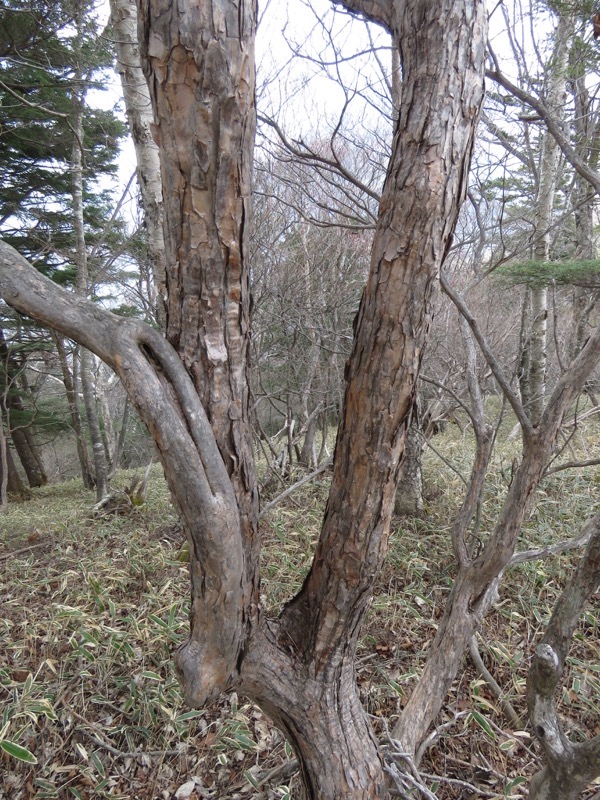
{"type": "Point", "coordinates": [93, 607]}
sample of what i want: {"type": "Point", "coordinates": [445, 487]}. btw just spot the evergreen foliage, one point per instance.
{"type": "Point", "coordinates": [584, 273]}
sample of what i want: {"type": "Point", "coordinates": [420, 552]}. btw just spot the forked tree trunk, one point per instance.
{"type": "Point", "coordinates": [476, 585]}
{"type": "Point", "coordinates": [192, 391]}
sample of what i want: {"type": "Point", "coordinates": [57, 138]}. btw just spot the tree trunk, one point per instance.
{"type": "Point", "coordinates": [409, 492]}
{"type": "Point", "coordinates": [308, 455]}
{"type": "Point", "coordinates": [21, 434]}
{"type": "Point", "coordinates": [91, 413]}
{"type": "Point", "coordinates": [537, 298]}
{"type": "Point", "coordinates": [30, 460]}
{"type": "Point", "coordinates": [81, 283]}
{"type": "Point", "coordinates": [14, 485]}
{"type": "Point", "coordinates": [82, 451]}
{"type": "Point", "coordinates": [192, 391]}
{"type": "Point", "coordinates": [3, 469]}
{"type": "Point", "coordinates": [139, 116]}
{"type": "Point", "coordinates": [570, 766]}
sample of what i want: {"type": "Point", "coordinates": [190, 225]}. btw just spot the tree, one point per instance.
{"type": "Point", "coordinates": [54, 149]}
{"type": "Point", "coordinates": [191, 389]}
{"type": "Point", "coordinates": [571, 766]}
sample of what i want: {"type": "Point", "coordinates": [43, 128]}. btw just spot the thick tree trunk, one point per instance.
{"type": "Point", "coordinates": [139, 116]}
{"type": "Point", "coordinates": [29, 458]}
{"type": "Point", "coordinates": [198, 58]}
{"type": "Point", "coordinates": [192, 391]}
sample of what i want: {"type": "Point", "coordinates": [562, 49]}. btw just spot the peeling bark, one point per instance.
{"type": "Point", "coordinates": [191, 390]}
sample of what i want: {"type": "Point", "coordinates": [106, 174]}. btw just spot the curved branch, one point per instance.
{"type": "Point", "coordinates": [164, 396]}
{"type": "Point", "coordinates": [553, 126]}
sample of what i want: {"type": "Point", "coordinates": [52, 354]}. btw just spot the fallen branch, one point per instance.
{"type": "Point", "coordinates": [6, 556]}
{"type": "Point", "coordinates": [493, 685]}
{"type": "Point", "coordinates": [295, 486]}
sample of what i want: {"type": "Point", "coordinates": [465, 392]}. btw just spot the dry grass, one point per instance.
{"type": "Point", "coordinates": [91, 613]}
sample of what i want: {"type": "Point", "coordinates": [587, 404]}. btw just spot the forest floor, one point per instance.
{"type": "Point", "coordinates": [92, 608]}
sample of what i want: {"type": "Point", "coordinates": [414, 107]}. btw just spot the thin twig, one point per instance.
{"type": "Point", "coordinates": [12, 553]}
{"type": "Point", "coordinates": [494, 686]}
{"type": "Point", "coordinates": [295, 486]}
{"type": "Point", "coordinates": [120, 754]}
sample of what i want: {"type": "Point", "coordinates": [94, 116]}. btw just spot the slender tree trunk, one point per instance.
{"type": "Point", "coordinates": [91, 413]}
{"type": "Point", "coordinates": [584, 198]}
{"type": "Point", "coordinates": [409, 493]}
{"type": "Point", "coordinates": [86, 374]}
{"type": "Point", "coordinates": [120, 446]}
{"type": "Point", "coordinates": [82, 451]}
{"type": "Point", "coordinates": [548, 175]}
{"type": "Point", "coordinates": [3, 468]}
{"type": "Point", "coordinates": [139, 116]}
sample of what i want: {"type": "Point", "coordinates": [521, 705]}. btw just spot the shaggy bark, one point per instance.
{"type": "Point", "coordinates": [191, 391]}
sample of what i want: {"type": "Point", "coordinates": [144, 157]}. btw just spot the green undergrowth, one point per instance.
{"type": "Point", "coordinates": [92, 609]}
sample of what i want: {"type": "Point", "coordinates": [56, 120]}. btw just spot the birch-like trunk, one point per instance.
{"type": "Point", "coordinates": [533, 388]}
{"type": "Point", "coordinates": [138, 108]}
{"type": "Point", "coordinates": [81, 286]}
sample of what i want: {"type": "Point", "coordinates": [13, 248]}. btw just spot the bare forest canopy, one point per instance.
{"type": "Point", "coordinates": [351, 289]}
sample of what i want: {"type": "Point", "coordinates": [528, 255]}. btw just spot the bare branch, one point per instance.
{"type": "Point", "coordinates": [557, 131]}
{"type": "Point", "coordinates": [491, 359]}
